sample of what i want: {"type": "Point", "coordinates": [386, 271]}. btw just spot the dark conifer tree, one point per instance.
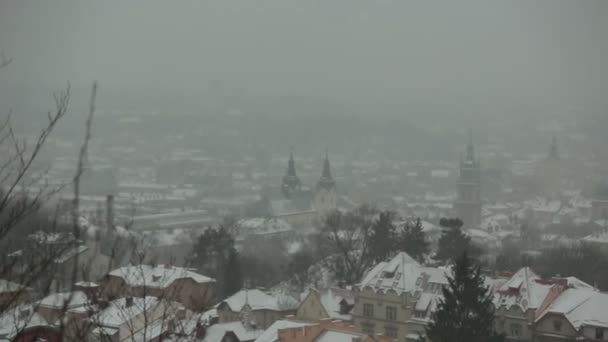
{"type": "Point", "coordinates": [413, 240]}
{"type": "Point", "coordinates": [383, 238]}
{"type": "Point", "coordinates": [453, 242]}
{"type": "Point", "coordinates": [215, 255]}
{"type": "Point", "coordinates": [465, 314]}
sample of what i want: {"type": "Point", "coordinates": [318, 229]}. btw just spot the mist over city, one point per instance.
{"type": "Point", "coordinates": [280, 170]}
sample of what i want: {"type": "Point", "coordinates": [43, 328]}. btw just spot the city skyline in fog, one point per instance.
{"type": "Point", "coordinates": [470, 57]}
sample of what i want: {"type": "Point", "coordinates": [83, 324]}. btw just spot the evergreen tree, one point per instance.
{"type": "Point", "coordinates": [453, 242]}
{"type": "Point", "coordinates": [215, 255]}
{"type": "Point", "coordinates": [465, 314]}
{"type": "Point", "coordinates": [233, 278]}
{"type": "Point", "coordinates": [383, 238]}
{"type": "Point", "coordinates": [413, 240]}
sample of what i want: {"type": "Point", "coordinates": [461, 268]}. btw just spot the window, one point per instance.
{"type": "Point", "coordinates": [391, 313]}
{"type": "Point", "coordinates": [419, 314]}
{"type": "Point", "coordinates": [368, 310]}
{"type": "Point", "coordinates": [367, 328]}
{"type": "Point", "coordinates": [516, 330]}
{"type": "Point", "coordinates": [390, 331]}
{"type": "Point", "coordinates": [599, 333]}
{"type": "Point", "coordinates": [557, 325]}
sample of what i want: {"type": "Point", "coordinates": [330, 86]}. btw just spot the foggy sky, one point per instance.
{"type": "Point", "coordinates": [552, 52]}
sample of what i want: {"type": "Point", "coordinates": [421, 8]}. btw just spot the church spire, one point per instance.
{"type": "Point", "coordinates": [291, 182]}
{"type": "Point", "coordinates": [553, 150]}
{"type": "Point", "coordinates": [291, 164]}
{"type": "Point", "coordinates": [470, 154]}
{"type": "Point", "coordinates": [326, 181]}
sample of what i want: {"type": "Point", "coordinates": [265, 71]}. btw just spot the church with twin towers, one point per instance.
{"type": "Point", "coordinates": [302, 205]}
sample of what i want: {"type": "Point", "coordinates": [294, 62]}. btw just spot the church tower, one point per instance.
{"type": "Point", "coordinates": [291, 183]}
{"type": "Point", "coordinates": [325, 199]}
{"type": "Point", "coordinates": [468, 202]}
{"type": "Point", "coordinates": [550, 172]}
{"type": "Point", "coordinates": [553, 151]}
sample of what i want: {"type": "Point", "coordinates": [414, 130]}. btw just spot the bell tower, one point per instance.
{"type": "Point", "coordinates": [468, 202]}
{"type": "Point", "coordinates": [325, 200]}
{"type": "Point", "coordinates": [291, 183]}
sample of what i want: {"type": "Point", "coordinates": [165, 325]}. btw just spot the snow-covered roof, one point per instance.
{"type": "Point", "coordinates": [263, 224]}
{"type": "Point", "coordinates": [70, 253]}
{"type": "Point", "coordinates": [272, 333]}
{"type": "Point", "coordinates": [51, 238]}
{"type": "Point", "coordinates": [601, 237]}
{"type": "Point", "coordinates": [216, 332]}
{"type": "Point", "coordinates": [522, 289]}
{"type": "Point", "coordinates": [160, 276]}
{"type": "Point", "coordinates": [89, 284]}
{"type": "Point", "coordinates": [494, 221]}
{"type": "Point", "coordinates": [331, 298]}
{"type": "Point", "coordinates": [575, 283]}
{"type": "Point", "coordinates": [118, 311]}
{"type": "Point", "coordinates": [7, 286]}
{"type": "Point", "coordinates": [259, 300]}
{"type": "Point", "coordinates": [68, 300]}
{"type": "Point", "coordinates": [546, 206]}
{"type": "Point", "coordinates": [16, 319]}
{"type": "Point", "coordinates": [402, 274]}
{"type": "Point", "coordinates": [338, 336]}
{"type": "Point", "coordinates": [581, 307]}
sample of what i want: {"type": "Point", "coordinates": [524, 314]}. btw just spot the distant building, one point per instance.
{"type": "Point", "coordinates": [328, 331]}
{"type": "Point", "coordinates": [127, 318]}
{"type": "Point", "coordinates": [23, 324]}
{"type": "Point", "coordinates": [397, 298]}
{"type": "Point", "coordinates": [325, 200]}
{"type": "Point", "coordinates": [550, 171]}
{"type": "Point", "coordinates": [299, 205]}
{"type": "Point", "coordinates": [193, 290]}
{"type": "Point", "coordinates": [468, 202]}
{"type": "Point", "coordinates": [11, 294]}
{"type": "Point", "coordinates": [519, 301]}
{"type": "Point", "coordinates": [576, 315]}
{"type": "Point", "coordinates": [599, 203]}
{"type": "Point", "coordinates": [262, 308]}
{"type": "Point", "coordinates": [330, 303]}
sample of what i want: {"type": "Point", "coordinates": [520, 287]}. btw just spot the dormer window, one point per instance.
{"type": "Point", "coordinates": [388, 275]}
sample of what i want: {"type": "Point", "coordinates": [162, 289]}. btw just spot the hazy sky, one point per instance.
{"type": "Point", "coordinates": [551, 50]}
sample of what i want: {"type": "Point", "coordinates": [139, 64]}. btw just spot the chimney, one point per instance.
{"type": "Point", "coordinates": [110, 212]}
{"type": "Point", "coordinates": [129, 302]}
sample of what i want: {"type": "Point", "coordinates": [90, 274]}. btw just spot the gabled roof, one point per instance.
{"type": "Point", "coordinates": [259, 300]}
{"type": "Point", "coordinates": [19, 318]}
{"type": "Point", "coordinates": [7, 286]}
{"type": "Point", "coordinates": [331, 299]}
{"type": "Point", "coordinates": [523, 289]}
{"type": "Point", "coordinates": [337, 336]}
{"type": "Point", "coordinates": [216, 332]}
{"type": "Point", "coordinates": [402, 274]}
{"type": "Point", "coordinates": [118, 311]}
{"type": "Point", "coordinates": [68, 300]}
{"type": "Point", "coordinates": [581, 307]}
{"type": "Point", "coordinates": [160, 276]}
{"type": "Point", "coordinates": [272, 333]}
